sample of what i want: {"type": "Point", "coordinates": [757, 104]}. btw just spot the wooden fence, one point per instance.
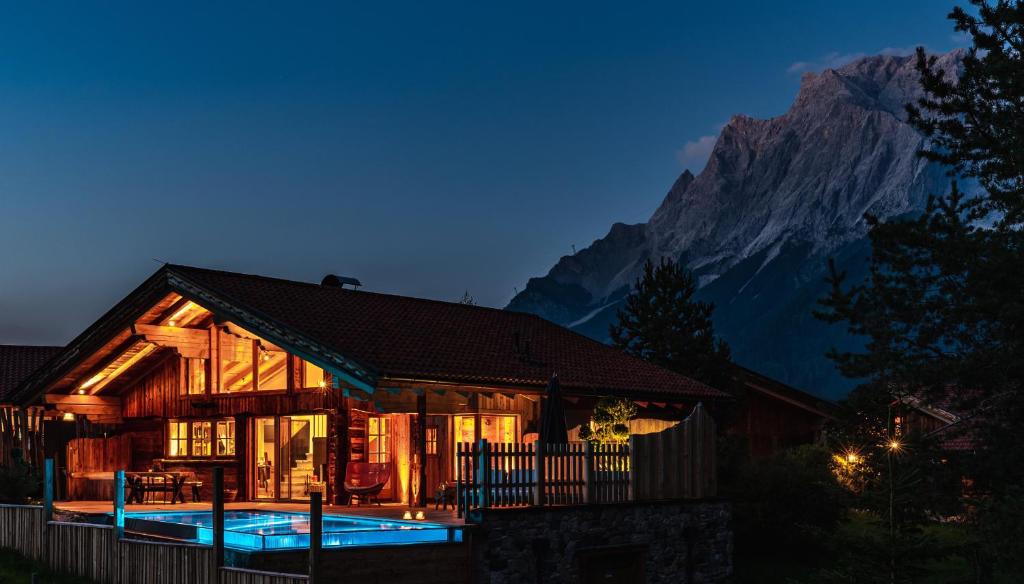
{"type": "Point", "coordinates": [21, 529]}
{"type": "Point", "coordinates": [94, 552]}
{"type": "Point", "coordinates": [675, 463]}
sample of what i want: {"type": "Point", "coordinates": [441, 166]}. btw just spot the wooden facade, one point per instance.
{"type": "Point", "coordinates": [283, 384]}
{"type": "Point", "coordinates": [139, 441]}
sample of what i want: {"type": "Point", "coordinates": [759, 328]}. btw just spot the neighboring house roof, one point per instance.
{"type": "Point", "coordinates": [17, 362]}
{"type": "Point", "coordinates": [950, 407]}
{"type": "Point", "coordinates": [380, 337]}
{"type": "Point", "coordinates": [752, 380]}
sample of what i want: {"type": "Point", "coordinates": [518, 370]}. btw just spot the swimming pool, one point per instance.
{"type": "Point", "coordinates": [278, 530]}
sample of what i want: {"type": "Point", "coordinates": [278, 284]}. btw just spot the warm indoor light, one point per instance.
{"type": "Point", "coordinates": [323, 384]}
{"type": "Point", "coordinates": [68, 417]}
{"type": "Point", "coordinates": [852, 458]}
{"type": "Point", "coordinates": [894, 445]}
{"type": "Point", "coordinates": [92, 381]}
{"type": "Point", "coordinates": [420, 516]}
{"type": "Point", "coordinates": [408, 515]}
{"type": "Point", "coordinates": [81, 392]}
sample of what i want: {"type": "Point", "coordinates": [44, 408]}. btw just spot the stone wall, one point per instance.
{"type": "Point", "coordinates": [655, 542]}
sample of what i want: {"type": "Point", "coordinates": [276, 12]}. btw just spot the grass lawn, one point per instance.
{"type": "Point", "coordinates": [17, 569]}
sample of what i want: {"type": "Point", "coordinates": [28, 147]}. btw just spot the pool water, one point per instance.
{"type": "Point", "coordinates": [275, 530]}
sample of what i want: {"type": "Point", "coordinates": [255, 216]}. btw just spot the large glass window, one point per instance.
{"type": "Point", "coordinates": [177, 438]}
{"type": "Point", "coordinates": [273, 368]}
{"type": "Point", "coordinates": [236, 363]}
{"type": "Point", "coordinates": [377, 443]}
{"type": "Point", "coordinates": [313, 377]}
{"type": "Point", "coordinates": [493, 428]}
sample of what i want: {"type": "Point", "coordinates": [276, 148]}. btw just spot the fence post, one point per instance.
{"type": "Point", "coordinates": [47, 490]}
{"type": "Point", "coordinates": [588, 473]}
{"type": "Point", "coordinates": [484, 469]}
{"type": "Point", "coordinates": [631, 493]}
{"type": "Point", "coordinates": [316, 537]}
{"type": "Point", "coordinates": [538, 469]}
{"type": "Point", "coordinates": [218, 524]}
{"type": "Point", "coordinates": [118, 532]}
{"type": "Point", "coordinates": [47, 507]}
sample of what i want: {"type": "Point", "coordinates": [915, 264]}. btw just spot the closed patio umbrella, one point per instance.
{"type": "Point", "coordinates": [552, 415]}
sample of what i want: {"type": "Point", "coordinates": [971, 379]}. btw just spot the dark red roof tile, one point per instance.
{"type": "Point", "coordinates": [405, 337]}
{"type": "Point", "coordinates": [18, 362]}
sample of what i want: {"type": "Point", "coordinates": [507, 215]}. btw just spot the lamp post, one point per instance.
{"type": "Point", "coordinates": [892, 446]}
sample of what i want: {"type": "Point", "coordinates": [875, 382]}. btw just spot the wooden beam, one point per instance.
{"type": "Point", "coordinates": [84, 400]}
{"type": "Point", "coordinates": [193, 343]}
{"type": "Point", "coordinates": [105, 362]}
{"type": "Point", "coordinates": [146, 350]}
{"type": "Point", "coordinates": [96, 410]}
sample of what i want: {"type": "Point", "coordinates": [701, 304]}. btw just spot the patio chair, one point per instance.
{"type": "Point", "coordinates": [365, 480]}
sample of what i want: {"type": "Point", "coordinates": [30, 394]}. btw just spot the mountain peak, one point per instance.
{"type": "Point", "coordinates": [777, 197]}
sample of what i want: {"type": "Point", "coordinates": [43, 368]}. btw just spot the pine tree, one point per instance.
{"type": "Point", "coordinates": [663, 323]}
{"type": "Point", "coordinates": [943, 305]}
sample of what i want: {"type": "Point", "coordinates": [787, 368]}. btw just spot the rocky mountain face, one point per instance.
{"type": "Point", "coordinates": [777, 198]}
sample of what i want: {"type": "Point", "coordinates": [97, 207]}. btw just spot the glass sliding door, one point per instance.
{"type": "Point", "coordinates": [266, 458]}
{"type": "Point", "coordinates": [291, 454]}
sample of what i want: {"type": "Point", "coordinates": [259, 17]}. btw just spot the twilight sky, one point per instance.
{"type": "Point", "coordinates": [426, 149]}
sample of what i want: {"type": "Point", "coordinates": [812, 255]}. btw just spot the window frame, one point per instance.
{"type": "Point", "coordinates": [190, 443]}
{"type": "Point", "coordinates": [384, 437]}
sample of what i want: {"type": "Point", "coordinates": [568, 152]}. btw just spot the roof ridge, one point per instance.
{"type": "Point", "coordinates": [368, 292]}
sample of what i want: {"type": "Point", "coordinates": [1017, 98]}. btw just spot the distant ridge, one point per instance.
{"type": "Point", "coordinates": [776, 199]}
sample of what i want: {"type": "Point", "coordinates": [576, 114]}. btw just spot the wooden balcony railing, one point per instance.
{"type": "Point", "coordinates": [676, 463]}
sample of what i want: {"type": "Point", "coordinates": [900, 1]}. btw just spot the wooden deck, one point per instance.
{"type": "Point", "coordinates": [385, 511]}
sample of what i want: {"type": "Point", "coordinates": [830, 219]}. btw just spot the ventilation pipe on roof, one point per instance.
{"type": "Point", "coordinates": [333, 281]}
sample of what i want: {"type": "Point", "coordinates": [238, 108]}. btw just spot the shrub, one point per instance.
{"type": "Point", "coordinates": [19, 484]}
{"type": "Point", "coordinates": [787, 502]}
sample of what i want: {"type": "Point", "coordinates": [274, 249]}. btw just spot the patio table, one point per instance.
{"type": "Point", "coordinates": [137, 483]}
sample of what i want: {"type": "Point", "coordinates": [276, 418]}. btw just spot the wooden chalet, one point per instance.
{"type": "Point", "coordinates": [772, 416]}
{"type": "Point", "coordinates": [285, 383]}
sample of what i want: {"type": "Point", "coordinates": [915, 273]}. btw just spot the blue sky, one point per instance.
{"type": "Point", "coordinates": [426, 148]}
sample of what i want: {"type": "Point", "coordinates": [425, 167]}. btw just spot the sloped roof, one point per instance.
{"type": "Point", "coordinates": [382, 337]}
{"type": "Point", "coordinates": [17, 362]}
{"type": "Point", "coordinates": [406, 337]}
{"type": "Point", "coordinates": [772, 387]}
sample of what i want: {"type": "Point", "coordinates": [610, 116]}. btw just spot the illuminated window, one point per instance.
{"type": "Point", "coordinates": [196, 375]}
{"type": "Point", "coordinates": [377, 440]}
{"type": "Point", "coordinates": [431, 440]}
{"type": "Point", "coordinates": [313, 377]}
{"type": "Point", "coordinates": [201, 439]}
{"type": "Point", "coordinates": [273, 368]}
{"type": "Point", "coordinates": [226, 438]}
{"type": "Point", "coordinates": [236, 363]}
{"type": "Point", "coordinates": [494, 429]}
{"type": "Point", "coordinates": [177, 439]}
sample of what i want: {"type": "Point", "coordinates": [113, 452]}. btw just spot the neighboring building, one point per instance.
{"type": "Point", "coordinates": [943, 418]}
{"type": "Point", "coordinates": [284, 383]}
{"type": "Point", "coordinates": [772, 416]}
{"type": "Point", "coordinates": [17, 362]}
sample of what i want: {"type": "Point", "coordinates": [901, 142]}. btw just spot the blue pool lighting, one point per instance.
{"type": "Point", "coordinates": [278, 530]}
